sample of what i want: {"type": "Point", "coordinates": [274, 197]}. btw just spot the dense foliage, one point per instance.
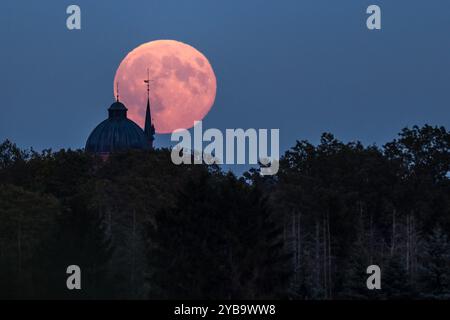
{"type": "Point", "coordinates": [141, 227]}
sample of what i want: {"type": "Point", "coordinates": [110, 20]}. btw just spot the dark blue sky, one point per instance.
{"type": "Point", "coordinates": [304, 66]}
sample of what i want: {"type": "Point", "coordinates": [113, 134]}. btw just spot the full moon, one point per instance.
{"type": "Point", "coordinates": [182, 87]}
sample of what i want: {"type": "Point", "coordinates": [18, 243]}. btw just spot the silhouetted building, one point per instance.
{"type": "Point", "coordinates": [118, 133]}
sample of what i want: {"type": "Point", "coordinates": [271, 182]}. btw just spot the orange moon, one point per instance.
{"type": "Point", "coordinates": [182, 90]}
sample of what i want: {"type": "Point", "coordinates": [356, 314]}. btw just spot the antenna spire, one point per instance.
{"type": "Point", "coordinates": [117, 91]}
{"type": "Point", "coordinates": [147, 81]}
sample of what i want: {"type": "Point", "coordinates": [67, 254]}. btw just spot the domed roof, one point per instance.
{"type": "Point", "coordinates": [117, 105]}
{"type": "Point", "coordinates": [117, 133]}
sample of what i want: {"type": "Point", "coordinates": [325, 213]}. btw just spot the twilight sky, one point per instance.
{"type": "Point", "coordinates": [304, 66]}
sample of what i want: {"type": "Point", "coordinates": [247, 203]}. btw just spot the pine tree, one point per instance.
{"type": "Point", "coordinates": [435, 266]}
{"type": "Point", "coordinates": [265, 272]}
{"type": "Point", "coordinates": [220, 241]}
{"type": "Point", "coordinates": [25, 221]}
{"type": "Point", "coordinates": [184, 246]}
{"type": "Point", "coordinates": [79, 239]}
{"type": "Point", "coordinates": [395, 281]}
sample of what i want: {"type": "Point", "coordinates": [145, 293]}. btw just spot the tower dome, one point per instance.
{"type": "Point", "coordinates": [117, 133]}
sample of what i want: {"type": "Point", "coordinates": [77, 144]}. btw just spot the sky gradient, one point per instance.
{"type": "Point", "coordinates": [303, 66]}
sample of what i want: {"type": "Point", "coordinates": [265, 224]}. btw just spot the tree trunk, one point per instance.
{"type": "Point", "coordinates": [294, 245]}
{"type": "Point", "coordinates": [317, 253]}
{"type": "Point", "coordinates": [325, 258]}
{"type": "Point", "coordinates": [329, 253]}
{"type": "Point", "coordinates": [133, 254]}
{"type": "Point", "coordinates": [371, 250]}
{"type": "Point", "coordinates": [19, 247]}
{"type": "Point", "coordinates": [393, 232]}
{"type": "Point", "coordinates": [413, 249]}
{"type": "Point", "coordinates": [407, 243]}
{"type": "Point", "coordinates": [299, 239]}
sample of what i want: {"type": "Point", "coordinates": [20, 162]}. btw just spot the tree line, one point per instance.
{"type": "Point", "coordinates": [141, 227]}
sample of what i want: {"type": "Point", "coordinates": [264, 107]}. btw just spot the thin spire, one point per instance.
{"type": "Point", "coordinates": [117, 91]}
{"type": "Point", "coordinates": [149, 128]}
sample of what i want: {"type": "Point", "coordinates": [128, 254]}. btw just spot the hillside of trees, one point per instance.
{"type": "Point", "coordinates": [141, 227]}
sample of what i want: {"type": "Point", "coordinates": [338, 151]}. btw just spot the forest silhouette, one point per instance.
{"type": "Point", "coordinates": [141, 227]}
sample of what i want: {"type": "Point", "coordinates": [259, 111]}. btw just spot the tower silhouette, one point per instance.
{"type": "Point", "coordinates": [149, 128]}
